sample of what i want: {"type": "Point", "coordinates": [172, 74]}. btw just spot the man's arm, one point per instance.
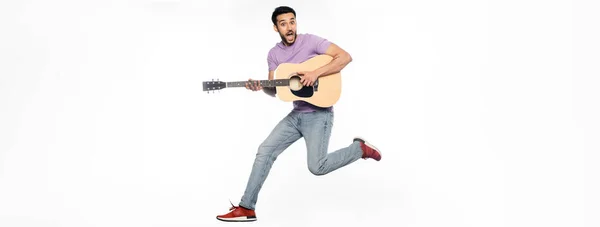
{"type": "Point", "coordinates": [341, 58]}
{"type": "Point", "coordinates": [270, 90]}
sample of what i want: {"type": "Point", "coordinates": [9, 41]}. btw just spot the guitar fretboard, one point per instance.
{"type": "Point", "coordinates": [263, 83]}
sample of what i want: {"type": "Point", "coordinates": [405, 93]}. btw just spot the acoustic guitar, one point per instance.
{"type": "Point", "coordinates": [324, 92]}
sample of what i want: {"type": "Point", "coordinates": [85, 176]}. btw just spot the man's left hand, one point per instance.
{"type": "Point", "coordinates": [308, 78]}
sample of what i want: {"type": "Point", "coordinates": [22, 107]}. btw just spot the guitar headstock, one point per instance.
{"type": "Point", "coordinates": [213, 85]}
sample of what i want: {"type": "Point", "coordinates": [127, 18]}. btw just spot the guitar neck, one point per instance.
{"type": "Point", "coordinates": [263, 83]}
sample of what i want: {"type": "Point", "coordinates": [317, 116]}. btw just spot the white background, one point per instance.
{"type": "Point", "coordinates": [486, 113]}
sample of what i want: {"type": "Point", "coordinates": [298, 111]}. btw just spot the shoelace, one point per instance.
{"type": "Point", "coordinates": [233, 207]}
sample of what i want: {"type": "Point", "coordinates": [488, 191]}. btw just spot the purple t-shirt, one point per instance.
{"type": "Point", "coordinates": [305, 47]}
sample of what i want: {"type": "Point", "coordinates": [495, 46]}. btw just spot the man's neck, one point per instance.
{"type": "Point", "coordinates": [286, 44]}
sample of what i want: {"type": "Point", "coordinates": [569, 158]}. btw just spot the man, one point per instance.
{"type": "Point", "coordinates": [305, 120]}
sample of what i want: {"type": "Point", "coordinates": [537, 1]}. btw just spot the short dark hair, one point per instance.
{"type": "Point", "coordinates": [281, 10]}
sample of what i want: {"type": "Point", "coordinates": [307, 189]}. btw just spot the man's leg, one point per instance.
{"type": "Point", "coordinates": [283, 135]}
{"type": "Point", "coordinates": [316, 128]}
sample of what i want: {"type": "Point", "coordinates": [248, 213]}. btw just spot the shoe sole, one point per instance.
{"type": "Point", "coordinates": [238, 219]}
{"type": "Point", "coordinates": [370, 145]}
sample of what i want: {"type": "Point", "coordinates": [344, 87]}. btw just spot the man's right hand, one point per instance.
{"type": "Point", "coordinates": [253, 85]}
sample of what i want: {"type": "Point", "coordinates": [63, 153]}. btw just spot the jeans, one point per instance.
{"type": "Point", "coordinates": [315, 128]}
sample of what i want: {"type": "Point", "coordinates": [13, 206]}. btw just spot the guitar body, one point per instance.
{"type": "Point", "coordinates": [324, 93]}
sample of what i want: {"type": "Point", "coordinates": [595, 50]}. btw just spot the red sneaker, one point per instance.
{"type": "Point", "coordinates": [238, 214]}
{"type": "Point", "coordinates": [369, 151]}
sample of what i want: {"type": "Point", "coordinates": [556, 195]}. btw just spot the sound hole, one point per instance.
{"type": "Point", "coordinates": [298, 89]}
{"type": "Point", "coordinates": [295, 84]}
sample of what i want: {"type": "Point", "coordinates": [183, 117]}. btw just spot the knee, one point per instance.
{"type": "Point", "coordinates": [316, 170]}
{"type": "Point", "coordinates": [264, 153]}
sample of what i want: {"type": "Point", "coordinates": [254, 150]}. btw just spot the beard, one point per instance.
{"type": "Point", "coordinates": [285, 36]}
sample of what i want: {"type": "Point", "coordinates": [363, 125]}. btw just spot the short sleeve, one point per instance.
{"type": "Point", "coordinates": [272, 64]}
{"type": "Point", "coordinates": [321, 44]}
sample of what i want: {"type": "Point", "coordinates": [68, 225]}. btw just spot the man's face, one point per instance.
{"type": "Point", "coordinates": [286, 27]}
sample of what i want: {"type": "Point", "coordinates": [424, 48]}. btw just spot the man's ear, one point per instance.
{"type": "Point", "coordinates": [275, 28]}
